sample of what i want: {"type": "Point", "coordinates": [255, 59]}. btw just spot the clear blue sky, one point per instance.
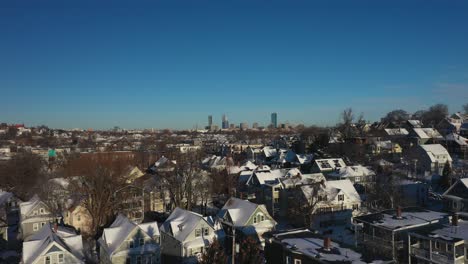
{"type": "Point", "coordinates": [172, 63]}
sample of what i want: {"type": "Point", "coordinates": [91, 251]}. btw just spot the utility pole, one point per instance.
{"type": "Point", "coordinates": [233, 244]}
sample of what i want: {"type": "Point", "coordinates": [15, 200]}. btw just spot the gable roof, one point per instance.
{"type": "Point", "coordinates": [352, 171]}
{"type": "Point", "coordinates": [64, 238]}
{"type": "Point", "coordinates": [121, 228]}
{"type": "Point", "coordinates": [332, 189]}
{"type": "Point", "coordinates": [240, 210]}
{"type": "Point", "coordinates": [434, 150]}
{"type": "Point", "coordinates": [181, 223]}
{"type": "Point", "coordinates": [27, 207]}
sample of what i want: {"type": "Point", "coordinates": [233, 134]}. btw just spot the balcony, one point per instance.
{"type": "Point", "coordinates": [434, 257]}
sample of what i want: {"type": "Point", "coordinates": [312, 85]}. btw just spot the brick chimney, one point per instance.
{"type": "Point", "coordinates": [398, 212]}
{"type": "Point", "coordinates": [455, 219]}
{"type": "Point", "coordinates": [327, 243]}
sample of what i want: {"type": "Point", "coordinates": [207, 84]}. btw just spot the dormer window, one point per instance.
{"type": "Point", "coordinates": [341, 197]}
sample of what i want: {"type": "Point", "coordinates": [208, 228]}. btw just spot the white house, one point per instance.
{"type": "Point", "coordinates": [186, 234]}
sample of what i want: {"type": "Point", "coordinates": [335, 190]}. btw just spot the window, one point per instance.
{"type": "Point", "coordinates": [35, 226]}
{"type": "Point", "coordinates": [355, 206]}
{"type": "Point", "coordinates": [78, 218]}
{"type": "Point", "coordinates": [142, 241]}
{"type": "Point", "coordinates": [41, 211]}
{"type": "Point", "coordinates": [35, 212]}
{"type": "Point", "coordinates": [131, 244]}
{"type": "Point", "coordinates": [197, 232]}
{"type": "Point", "coordinates": [128, 261]}
{"type": "Point", "coordinates": [255, 220]}
{"type": "Point", "coordinates": [47, 260]}
{"type": "Point", "coordinates": [357, 179]}
{"type": "Point", "coordinates": [288, 260]}
{"type": "Point", "coordinates": [60, 258]}
{"type": "Point", "coordinates": [262, 218]}
{"type": "Point", "coordinates": [341, 197]}
{"type": "Point", "coordinates": [43, 224]}
{"type": "Point", "coordinates": [437, 245]}
{"type": "Point", "coordinates": [297, 261]}
{"type": "Point", "coordinates": [138, 260]}
{"type": "Point", "coordinates": [206, 231]}
{"type": "Point", "coordinates": [449, 247]}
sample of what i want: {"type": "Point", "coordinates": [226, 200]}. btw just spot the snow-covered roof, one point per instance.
{"type": "Point", "coordinates": [311, 245]}
{"type": "Point", "coordinates": [436, 150]}
{"type": "Point", "coordinates": [121, 228]}
{"type": "Point", "coordinates": [270, 152]}
{"type": "Point", "coordinates": [330, 164]}
{"type": "Point", "coordinates": [240, 210]}
{"type": "Point", "coordinates": [352, 171]}
{"type": "Point", "coordinates": [161, 161]}
{"type": "Point", "coordinates": [396, 131]}
{"type": "Point", "coordinates": [305, 158]}
{"type": "Point", "coordinates": [64, 238]}
{"type": "Point", "coordinates": [332, 189]}
{"type": "Point", "coordinates": [427, 133]}
{"type": "Point", "coordinates": [303, 179]}
{"type": "Point", "coordinates": [449, 232]}
{"type": "Point", "coordinates": [181, 223]}
{"type": "Point", "coordinates": [457, 138]}
{"type": "Point", "coordinates": [26, 207]}
{"type": "Point", "coordinates": [410, 217]}
{"type": "Point", "coordinates": [415, 123]}
{"type": "Point", "coordinates": [264, 177]}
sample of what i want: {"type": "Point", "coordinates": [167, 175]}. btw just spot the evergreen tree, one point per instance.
{"type": "Point", "coordinates": [214, 254]}
{"type": "Point", "coordinates": [250, 252]}
{"type": "Point", "coordinates": [446, 173]}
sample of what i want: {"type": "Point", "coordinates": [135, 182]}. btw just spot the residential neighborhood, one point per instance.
{"type": "Point", "coordinates": [126, 196]}
{"type": "Point", "coordinates": [234, 132]}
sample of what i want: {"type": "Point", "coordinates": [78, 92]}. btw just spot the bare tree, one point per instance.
{"type": "Point", "coordinates": [23, 174]}
{"type": "Point", "coordinates": [214, 254]}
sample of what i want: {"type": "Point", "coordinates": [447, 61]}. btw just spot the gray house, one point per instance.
{"type": "Point", "coordinates": [128, 242]}
{"type": "Point", "coordinates": [53, 244]}
{"type": "Point", "coordinates": [34, 214]}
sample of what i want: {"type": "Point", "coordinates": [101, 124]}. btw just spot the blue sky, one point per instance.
{"type": "Point", "coordinates": [164, 64]}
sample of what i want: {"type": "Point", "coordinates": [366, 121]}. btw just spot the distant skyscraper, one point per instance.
{"type": "Point", "coordinates": [210, 120]}
{"type": "Point", "coordinates": [244, 126]}
{"type": "Point", "coordinates": [274, 120]}
{"type": "Point", "coordinates": [255, 125]}
{"type": "Point", "coordinates": [225, 123]}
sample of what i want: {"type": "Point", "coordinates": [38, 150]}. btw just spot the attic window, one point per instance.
{"type": "Point", "coordinates": [197, 232]}
{"type": "Point", "coordinates": [206, 231]}
{"type": "Point", "coordinates": [60, 258]}
{"type": "Point", "coordinates": [41, 211]}
{"type": "Point", "coordinates": [47, 260]}
{"type": "Point", "coordinates": [341, 197]}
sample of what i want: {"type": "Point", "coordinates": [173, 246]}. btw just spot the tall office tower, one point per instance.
{"type": "Point", "coordinates": [210, 120]}
{"type": "Point", "coordinates": [225, 123]}
{"type": "Point", "coordinates": [274, 120]}
{"type": "Point", "coordinates": [255, 125]}
{"type": "Point", "coordinates": [244, 126]}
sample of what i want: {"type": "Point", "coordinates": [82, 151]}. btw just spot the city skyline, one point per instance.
{"type": "Point", "coordinates": [169, 64]}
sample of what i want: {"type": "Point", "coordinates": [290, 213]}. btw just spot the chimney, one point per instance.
{"type": "Point", "coordinates": [55, 227]}
{"type": "Point", "coordinates": [327, 243]}
{"type": "Point", "coordinates": [455, 219]}
{"type": "Point", "coordinates": [398, 212]}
